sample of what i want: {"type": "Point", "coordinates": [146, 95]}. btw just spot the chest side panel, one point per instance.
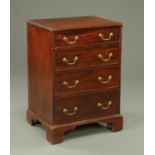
{"type": "Point", "coordinates": [40, 71]}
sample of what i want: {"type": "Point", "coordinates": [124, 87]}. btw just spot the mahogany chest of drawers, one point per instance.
{"type": "Point", "coordinates": [74, 67]}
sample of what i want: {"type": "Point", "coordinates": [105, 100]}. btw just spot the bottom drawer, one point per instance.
{"type": "Point", "coordinates": [86, 106]}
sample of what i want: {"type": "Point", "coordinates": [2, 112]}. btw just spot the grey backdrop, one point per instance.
{"type": "Point", "coordinates": [85, 140]}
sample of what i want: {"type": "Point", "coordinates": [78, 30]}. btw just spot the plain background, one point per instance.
{"type": "Point", "coordinates": [91, 139]}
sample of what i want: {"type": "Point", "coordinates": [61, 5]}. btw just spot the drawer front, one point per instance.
{"type": "Point", "coordinates": [76, 81]}
{"type": "Point", "coordinates": [86, 106]}
{"type": "Point", "coordinates": [68, 59]}
{"type": "Point", "coordinates": [86, 36]}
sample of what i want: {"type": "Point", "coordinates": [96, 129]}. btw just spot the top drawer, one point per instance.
{"type": "Point", "coordinates": [86, 36]}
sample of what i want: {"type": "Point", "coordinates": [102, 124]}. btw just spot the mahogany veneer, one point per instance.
{"type": "Point", "coordinates": [74, 74]}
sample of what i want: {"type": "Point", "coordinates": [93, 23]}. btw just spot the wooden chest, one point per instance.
{"type": "Point", "coordinates": [74, 67]}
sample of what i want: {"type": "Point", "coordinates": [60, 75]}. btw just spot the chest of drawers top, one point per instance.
{"type": "Point", "coordinates": [58, 24]}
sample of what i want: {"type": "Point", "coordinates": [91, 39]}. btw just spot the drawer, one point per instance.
{"type": "Point", "coordinates": [76, 81]}
{"type": "Point", "coordinates": [99, 56]}
{"type": "Point", "coordinates": [86, 36]}
{"type": "Point", "coordinates": [86, 106]}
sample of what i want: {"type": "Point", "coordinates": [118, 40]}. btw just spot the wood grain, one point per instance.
{"type": "Point", "coordinates": [87, 106]}
{"type": "Point", "coordinates": [46, 72]}
{"type": "Point", "coordinates": [87, 57]}
{"type": "Point", "coordinates": [55, 133]}
{"type": "Point", "coordinates": [86, 36]}
{"type": "Point", "coordinates": [58, 24]}
{"type": "Point", "coordinates": [40, 73]}
{"type": "Point", "coordinates": [88, 80]}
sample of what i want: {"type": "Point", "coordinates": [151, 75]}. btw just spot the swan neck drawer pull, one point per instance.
{"type": "Point", "coordinates": [66, 61]}
{"type": "Point", "coordinates": [101, 36]}
{"type": "Point", "coordinates": [65, 83]}
{"type": "Point", "coordinates": [70, 42]}
{"type": "Point", "coordinates": [100, 79]}
{"type": "Point", "coordinates": [65, 111]}
{"type": "Point", "coordinates": [104, 107]}
{"type": "Point", "coordinates": [100, 56]}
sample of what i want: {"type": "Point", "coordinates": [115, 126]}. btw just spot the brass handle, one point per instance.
{"type": "Point", "coordinates": [65, 111]}
{"type": "Point", "coordinates": [100, 56]}
{"type": "Point", "coordinates": [104, 107]}
{"type": "Point", "coordinates": [71, 42]}
{"type": "Point", "coordinates": [65, 60]}
{"type": "Point", "coordinates": [65, 83]}
{"type": "Point", "coordinates": [101, 36]}
{"type": "Point", "coordinates": [100, 79]}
